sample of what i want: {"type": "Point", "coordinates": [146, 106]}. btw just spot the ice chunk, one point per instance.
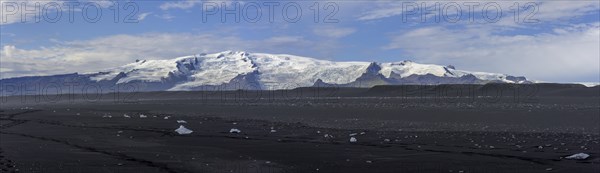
{"type": "Point", "coordinates": [166, 117]}
{"type": "Point", "coordinates": [352, 139]}
{"type": "Point", "coordinates": [183, 131]}
{"type": "Point", "coordinates": [235, 131]}
{"type": "Point", "coordinates": [181, 121]}
{"type": "Point", "coordinates": [273, 130]}
{"type": "Point", "coordinates": [143, 116]}
{"type": "Point", "coordinates": [126, 116]}
{"type": "Point", "coordinates": [578, 156]}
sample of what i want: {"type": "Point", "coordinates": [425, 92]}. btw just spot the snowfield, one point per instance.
{"type": "Point", "coordinates": [271, 71]}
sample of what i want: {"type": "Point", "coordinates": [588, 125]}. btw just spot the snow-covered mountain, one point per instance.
{"type": "Point", "coordinates": [232, 70]}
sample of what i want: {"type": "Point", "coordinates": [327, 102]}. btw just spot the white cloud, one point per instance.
{"type": "Point", "coordinates": [143, 16]}
{"type": "Point", "coordinates": [380, 10]}
{"type": "Point", "coordinates": [566, 53]}
{"type": "Point", "coordinates": [112, 51]}
{"type": "Point", "coordinates": [333, 32]}
{"type": "Point", "coordinates": [185, 4]}
{"type": "Point", "coordinates": [188, 4]}
{"type": "Point", "coordinates": [165, 16]}
{"type": "Point", "coordinates": [548, 11]}
{"type": "Point", "coordinates": [552, 10]}
{"type": "Point", "coordinates": [16, 8]}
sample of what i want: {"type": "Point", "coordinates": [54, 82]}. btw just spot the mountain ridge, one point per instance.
{"type": "Point", "coordinates": [233, 70]}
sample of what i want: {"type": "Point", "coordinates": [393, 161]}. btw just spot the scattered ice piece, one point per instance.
{"type": "Point", "coordinates": [234, 123]}
{"type": "Point", "coordinates": [183, 131]}
{"type": "Point", "coordinates": [235, 131]}
{"type": "Point", "coordinates": [126, 116]}
{"type": "Point", "coordinates": [362, 133]}
{"type": "Point", "coordinates": [578, 156]}
{"type": "Point", "coordinates": [181, 121]}
{"type": "Point", "coordinates": [352, 134]}
{"type": "Point", "coordinates": [273, 130]}
{"type": "Point", "coordinates": [327, 136]}
{"type": "Point", "coordinates": [352, 139]}
{"type": "Point", "coordinates": [267, 162]}
{"type": "Point", "coordinates": [368, 161]}
{"type": "Point", "coordinates": [166, 117]}
{"type": "Point", "coordinates": [318, 132]}
{"type": "Point", "coordinates": [143, 116]}
{"type": "Point", "coordinates": [386, 140]}
{"type": "Point", "coordinates": [549, 169]}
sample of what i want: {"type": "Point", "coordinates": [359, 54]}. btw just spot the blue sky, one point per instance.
{"type": "Point", "coordinates": [555, 41]}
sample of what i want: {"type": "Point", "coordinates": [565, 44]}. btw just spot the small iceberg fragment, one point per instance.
{"type": "Point", "coordinates": [181, 121]}
{"type": "Point", "coordinates": [143, 116]}
{"type": "Point", "coordinates": [352, 139]}
{"type": "Point", "coordinates": [166, 117]}
{"type": "Point", "coordinates": [183, 131]}
{"type": "Point", "coordinates": [235, 131]}
{"type": "Point", "coordinates": [273, 131]}
{"type": "Point", "coordinates": [578, 156]}
{"type": "Point", "coordinates": [126, 116]}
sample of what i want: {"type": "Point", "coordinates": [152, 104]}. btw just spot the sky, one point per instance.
{"type": "Point", "coordinates": [552, 41]}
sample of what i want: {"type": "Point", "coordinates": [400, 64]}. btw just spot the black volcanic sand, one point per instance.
{"type": "Point", "coordinates": [312, 135]}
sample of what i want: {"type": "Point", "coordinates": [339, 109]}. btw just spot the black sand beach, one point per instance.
{"type": "Point", "coordinates": [301, 134]}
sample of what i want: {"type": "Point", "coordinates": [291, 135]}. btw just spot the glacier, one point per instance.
{"type": "Point", "coordinates": [233, 70]}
